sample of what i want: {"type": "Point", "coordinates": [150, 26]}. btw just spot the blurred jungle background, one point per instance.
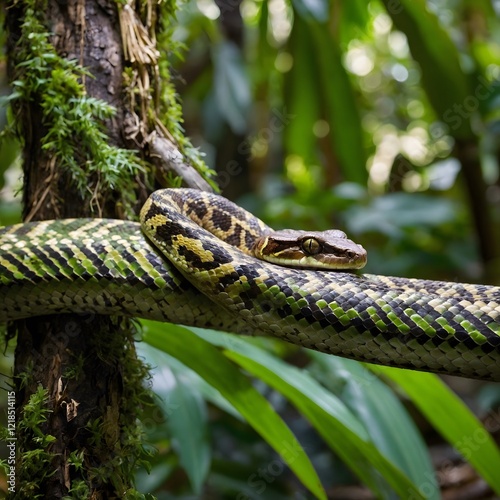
{"type": "Point", "coordinates": [381, 118]}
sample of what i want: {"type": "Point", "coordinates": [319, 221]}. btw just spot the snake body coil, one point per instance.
{"type": "Point", "coordinates": [109, 267]}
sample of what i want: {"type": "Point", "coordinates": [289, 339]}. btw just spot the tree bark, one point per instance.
{"type": "Point", "coordinates": [78, 359]}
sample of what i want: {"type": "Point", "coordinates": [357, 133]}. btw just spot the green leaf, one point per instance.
{"type": "Point", "coordinates": [186, 420]}
{"type": "Point", "coordinates": [312, 9]}
{"type": "Point", "coordinates": [231, 86]}
{"type": "Point", "coordinates": [302, 98]}
{"type": "Point", "coordinates": [218, 371]}
{"type": "Point", "coordinates": [332, 419]}
{"type": "Point", "coordinates": [188, 427]}
{"type": "Point", "coordinates": [449, 415]}
{"type": "Point", "coordinates": [340, 108]}
{"type": "Point", "coordinates": [354, 20]}
{"type": "Point", "coordinates": [156, 358]}
{"type": "Point", "coordinates": [156, 477]}
{"type": "Point", "coordinates": [316, 56]}
{"type": "Point", "coordinates": [9, 150]}
{"type": "Point", "coordinates": [388, 423]}
{"type": "Point", "coordinates": [446, 85]}
{"type": "Point", "coordinates": [392, 213]}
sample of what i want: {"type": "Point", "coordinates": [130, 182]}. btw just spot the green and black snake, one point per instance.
{"type": "Point", "coordinates": [176, 270]}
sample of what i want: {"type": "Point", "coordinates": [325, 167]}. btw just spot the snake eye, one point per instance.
{"type": "Point", "coordinates": [311, 246]}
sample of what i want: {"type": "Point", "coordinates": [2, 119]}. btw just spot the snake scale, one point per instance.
{"type": "Point", "coordinates": [106, 266]}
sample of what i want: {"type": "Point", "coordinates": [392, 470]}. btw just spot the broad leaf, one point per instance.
{"type": "Point", "coordinates": [217, 370]}
{"type": "Point", "coordinates": [449, 415]}
{"type": "Point", "coordinates": [340, 108]}
{"type": "Point", "coordinates": [388, 423]}
{"type": "Point", "coordinates": [184, 410]}
{"type": "Point", "coordinates": [332, 419]}
{"type": "Point", "coordinates": [302, 98]}
{"type": "Point", "coordinates": [446, 85]}
{"type": "Point", "coordinates": [231, 85]}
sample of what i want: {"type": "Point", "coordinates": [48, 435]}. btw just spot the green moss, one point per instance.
{"type": "Point", "coordinates": [76, 370]}
{"type": "Point", "coordinates": [26, 377]}
{"type": "Point", "coordinates": [129, 451]}
{"type": "Point", "coordinates": [75, 123]}
{"type": "Point", "coordinates": [33, 466]}
{"type": "Point", "coordinates": [78, 490]}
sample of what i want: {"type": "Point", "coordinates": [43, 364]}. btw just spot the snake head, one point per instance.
{"type": "Point", "coordinates": [326, 250]}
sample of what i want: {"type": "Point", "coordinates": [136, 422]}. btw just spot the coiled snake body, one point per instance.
{"type": "Point", "coordinates": [109, 267]}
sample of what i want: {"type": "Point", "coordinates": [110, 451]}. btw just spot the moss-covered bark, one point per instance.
{"type": "Point", "coordinates": [79, 384]}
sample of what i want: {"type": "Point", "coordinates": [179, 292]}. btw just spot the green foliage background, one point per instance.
{"type": "Point", "coordinates": [351, 114]}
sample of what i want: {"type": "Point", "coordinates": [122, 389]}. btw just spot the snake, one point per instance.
{"type": "Point", "coordinates": [199, 260]}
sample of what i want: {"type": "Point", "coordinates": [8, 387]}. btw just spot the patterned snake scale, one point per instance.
{"type": "Point", "coordinates": [109, 267]}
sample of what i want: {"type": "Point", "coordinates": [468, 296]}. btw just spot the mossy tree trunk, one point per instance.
{"type": "Point", "coordinates": [99, 120]}
{"type": "Point", "coordinates": [77, 377]}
